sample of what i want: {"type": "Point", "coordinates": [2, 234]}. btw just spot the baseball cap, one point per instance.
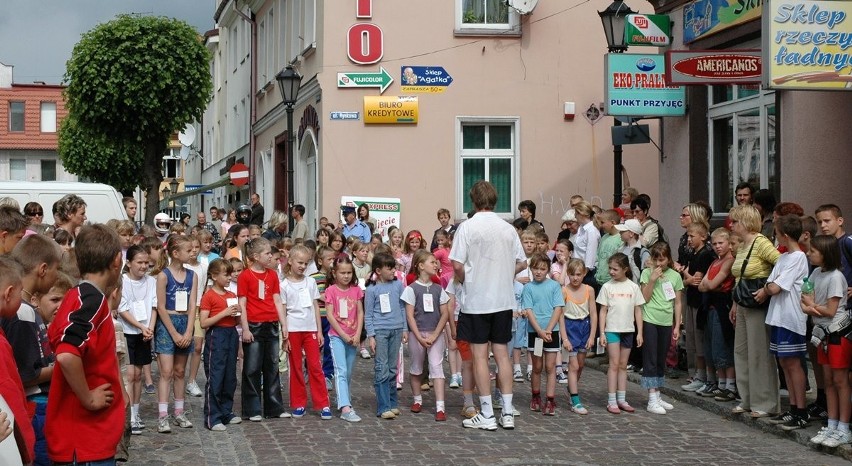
{"type": "Point", "coordinates": [570, 216]}
{"type": "Point", "coordinates": [630, 225]}
{"type": "Point", "coordinates": [347, 209]}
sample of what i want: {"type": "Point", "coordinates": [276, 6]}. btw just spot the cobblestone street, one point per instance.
{"type": "Point", "coordinates": [687, 435]}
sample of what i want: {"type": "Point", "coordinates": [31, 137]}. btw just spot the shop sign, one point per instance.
{"type": "Point", "coordinates": [364, 41]}
{"type": "Point", "coordinates": [713, 67]}
{"type": "Point", "coordinates": [636, 86]}
{"type": "Point", "coordinates": [702, 18]}
{"type": "Point", "coordinates": [390, 110]}
{"type": "Point", "coordinates": [433, 79]}
{"type": "Point", "coordinates": [385, 210]}
{"type": "Point", "coordinates": [653, 30]}
{"type": "Point", "coordinates": [380, 79]}
{"type": "Point", "coordinates": [808, 45]}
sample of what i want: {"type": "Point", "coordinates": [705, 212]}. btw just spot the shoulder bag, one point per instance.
{"type": "Point", "coordinates": [743, 293]}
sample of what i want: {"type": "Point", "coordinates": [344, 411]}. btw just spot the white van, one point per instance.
{"type": "Point", "coordinates": [103, 202]}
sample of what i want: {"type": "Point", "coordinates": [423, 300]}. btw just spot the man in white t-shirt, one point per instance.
{"type": "Point", "coordinates": [486, 255]}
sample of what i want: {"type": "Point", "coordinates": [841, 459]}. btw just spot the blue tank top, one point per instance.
{"type": "Point", "coordinates": [173, 286]}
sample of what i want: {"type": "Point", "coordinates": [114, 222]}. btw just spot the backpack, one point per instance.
{"type": "Point", "coordinates": [637, 258]}
{"type": "Point", "coordinates": [661, 234]}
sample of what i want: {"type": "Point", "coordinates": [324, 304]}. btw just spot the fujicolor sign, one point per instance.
{"type": "Point", "coordinates": [636, 86]}
{"type": "Point", "coordinates": [808, 45]}
{"type": "Point", "coordinates": [702, 18]}
{"type": "Point", "coordinates": [713, 67]}
{"type": "Point", "coordinates": [653, 30]}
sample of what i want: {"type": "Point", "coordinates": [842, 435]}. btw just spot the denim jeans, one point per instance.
{"type": "Point", "coordinates": [387, 346]}
{"type": "Point", "coordinates": [718, 350]}
{"type": "Point", "coordinates": [220, 365]}
{"type": "Point", "coordinates": [344, 362]}
{"type": "Point", "coordinates": [260, 369]}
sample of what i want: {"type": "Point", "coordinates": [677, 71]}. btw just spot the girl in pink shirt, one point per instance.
{"type": "Point", "coordinates": [345, 312]}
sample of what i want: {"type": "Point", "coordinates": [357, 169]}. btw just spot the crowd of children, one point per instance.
{"type": "Point", "coordinates": [609, 284]}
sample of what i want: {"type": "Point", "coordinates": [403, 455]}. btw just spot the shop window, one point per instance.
{"type": "Point", "coordinates": [742, 142]}
{"type": "Point", "coordinates": [487, 151]}
{"type": "Point", "coordinates": [486, 17]}
{"type": "Point", "coordinates": [16, 117]}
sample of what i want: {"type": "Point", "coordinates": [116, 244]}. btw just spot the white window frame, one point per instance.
{"type": "Point", "coordinates": [512, 29]}
{"type": "Point", "coordinates": [271, 70]}
{"type": "Point", "coordinates": [731, 109]}
{"type": "Point", "coordinates": [514, 153]}
{"type": "Point", "coordinates": [47, 117]}
{"type": "Point", "coordinates": [173, 155]}
{"type": "Point", "coordinates": [12, 173]}
{"type": "Point", "coordinates": [262, 44]}
{"type": "Point", "coordinates": [281, 39]}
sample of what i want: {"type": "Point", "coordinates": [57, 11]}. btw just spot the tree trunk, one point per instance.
{"type": "Point", "coordinates": [154, 151]}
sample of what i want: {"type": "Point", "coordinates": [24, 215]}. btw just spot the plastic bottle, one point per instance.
{"type": "Point", "coordinates": [807, 286]}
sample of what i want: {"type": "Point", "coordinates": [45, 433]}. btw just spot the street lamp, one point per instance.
{"type": "Point", "coordinates": [165, 192]}
{"type": "Point", "coordinates": [175, 184]}
{"type": "Point", "coordinates": [613, 20]}
{"type": "Point", "coordinates": [289, 82]}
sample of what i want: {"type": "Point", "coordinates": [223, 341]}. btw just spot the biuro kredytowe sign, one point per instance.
{"type": "Point", "coordinates": [686, 67]}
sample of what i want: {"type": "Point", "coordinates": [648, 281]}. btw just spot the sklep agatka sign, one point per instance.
{"type": "Point", "coordinates": [713, 67]}
{"type": "Point", "coordinates": [636, 86]}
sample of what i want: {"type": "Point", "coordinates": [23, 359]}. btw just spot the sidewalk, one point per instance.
{"type": "Point", "coordinates": [723, 409]}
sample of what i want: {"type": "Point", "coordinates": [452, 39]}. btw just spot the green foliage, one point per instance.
{"type": "Point", "coordinates": [95, 156]}
{"type": "Point", "coordinates": [138, 77]}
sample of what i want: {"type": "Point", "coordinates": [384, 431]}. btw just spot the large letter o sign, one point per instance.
{"type": "Point", "coordinates": [365, 43]}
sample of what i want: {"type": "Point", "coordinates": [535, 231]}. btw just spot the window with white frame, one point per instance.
{"type": "Point", "coordinates": [172, 166]}
{"type": "Point", "coordinates": [18, 169]}
{"type": "Point", "coordinates": [233, 47]}
{"type": "Point", "coordinates": [302, 26]}
{"type": "Point", "coordinates": [270, 46]}
{"type": "Point", "coordinates": [16, 116]}
{"type": "Point", "coordinates": [282, 35]}
{"type": "Point", "coordinates": [487, 150]}
{"type": "Point", "coordinates": [741, 127]}
{"type": "Point", "coordinates": [48, 117]}
{"type": "Point", "coordinates": [262, 44]}
{"type": "Point", "coordinates": [486, 17]}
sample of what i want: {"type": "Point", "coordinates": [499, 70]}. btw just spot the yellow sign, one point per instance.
{"type": "Point", "coordinates": [429, 89]}
{"type": "Point", "coordinates": [390, 109]}
{"type": "Point", "coordinates": [807, 45]}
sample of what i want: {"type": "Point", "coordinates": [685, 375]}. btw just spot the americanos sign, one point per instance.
{"type": "Point", "coordinates": [713, 67]}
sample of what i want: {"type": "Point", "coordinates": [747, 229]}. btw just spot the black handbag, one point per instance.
{"type": "Point", "coordinates": [743, 293]}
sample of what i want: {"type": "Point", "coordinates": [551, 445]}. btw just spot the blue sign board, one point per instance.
{"type": "Point", "coordinates": [424, 79]}
{"type": "Point", "coordinates": [190, 187]}
{"type": "Point", "coordinates": [636, 86]}
{"type": "Point", "coordinates": [345, 115]}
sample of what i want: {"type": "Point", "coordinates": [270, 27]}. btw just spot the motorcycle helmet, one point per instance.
{"type": "Point", "coordinates": [244, 214]}
{"type": "Point", "coordinates": [162, 223]}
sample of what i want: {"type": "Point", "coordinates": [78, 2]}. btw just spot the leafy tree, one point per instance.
{"type": "Point", "coordinates": [132, 82]}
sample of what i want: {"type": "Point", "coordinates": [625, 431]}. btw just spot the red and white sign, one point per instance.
{"type": "Point", "coordinates": [365, 41]}
{"type": "Point", "coordinates": [713, 67]}
{"type": "Point", "coordinates": [239, 174]}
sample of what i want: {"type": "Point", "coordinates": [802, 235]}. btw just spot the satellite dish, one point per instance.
{"type": "Point", "coordinates": [184, 152]}
{"type": "Point", "coordinates": [187, 136]}
{"type": "Point", "coordinates": [523, 7]}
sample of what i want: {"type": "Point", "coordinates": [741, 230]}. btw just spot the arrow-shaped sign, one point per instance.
{"type": "Point", "coordinates": [381, 79]}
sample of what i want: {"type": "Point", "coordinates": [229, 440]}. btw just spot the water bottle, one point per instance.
{"type": "Point", "coordinates": [807, 286]}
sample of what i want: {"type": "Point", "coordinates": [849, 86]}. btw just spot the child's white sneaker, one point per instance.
{"type": "Point", "coordinates": [655, 408]}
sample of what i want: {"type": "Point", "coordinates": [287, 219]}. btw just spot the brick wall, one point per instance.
{"type": "Point", "coordinates": [32, 96]}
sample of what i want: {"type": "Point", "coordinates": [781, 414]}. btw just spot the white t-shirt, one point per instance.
{"type": "Point", "coordinates": [586, 245]}
{"type": "Point", "coordinates": [456, 289]}
{"type": "Point", "coordinates": [299, 298]}
{"type": "Point", "coordinates": [785, 308]}
{"type": "Point", "coordinates": [829, 285]}
{"type": "Point", "coordinates": [621, 299]}
{"type": "Point", "coordinates": [143, 292]}
{"type": "Point", "coordinates": [489, 248]}
{"type": "Point", "coordinates": [200, 271]}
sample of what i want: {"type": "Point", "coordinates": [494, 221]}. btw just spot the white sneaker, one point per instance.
{"type": "Point", "coordinates": [256, 418]}
{"type": "Point", "coordinates": [666, 405]}
{"type": "Point", "coordinates": [821, 435]}
{"type": "Point", "coordinates": [163, 425]}
{"type": "Point", "coordinates": [454, 381]}
{"type": "Point", "coordinates": [192, 389]}
{"type": "Point", "coordinates": [219, 428]}
{"type": "Point", "coordinates": [365, 354]}
{"type": "Point", "coordinates": [518, 376]}
{"type": "Point", "coordinates": [480, 422]}
{"type": "Point", "coordinates": [181, 421]}
{"type": "Point", "coordinates": [836, 438]}
{"type": "Point", "coordinates": [506, 421]}
{"type": "Point", "coordinates": [235, 420]}
{"type": "Point", "coordinates": [655, 408]}
{"type": "Point", "coordinates": [692, 386]}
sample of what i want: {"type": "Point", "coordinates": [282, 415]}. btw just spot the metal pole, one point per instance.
{"type": "Point", "coordinates": [616, 162]}
{"type": "Point", "coordinates": [290, 158]}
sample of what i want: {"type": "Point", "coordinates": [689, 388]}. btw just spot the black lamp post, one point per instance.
{"type": "Point", "coordinates": [165, 192]}
{"type": "Point", "coordinates": [613, 20]}
{"type": "Point", "coordinates": [289, 82]}
{"type": "Point", "coordinates": [174, 184]}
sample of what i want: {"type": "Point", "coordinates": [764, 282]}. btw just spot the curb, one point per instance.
{"type": "Point", "coordinates": [723, 409]}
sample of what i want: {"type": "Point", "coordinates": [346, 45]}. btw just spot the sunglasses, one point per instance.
{"type": "Point", "coordinates": [39, 213]}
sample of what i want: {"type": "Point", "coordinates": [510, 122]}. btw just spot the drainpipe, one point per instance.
{"type": "Point", "coordinates": [252, 92]}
